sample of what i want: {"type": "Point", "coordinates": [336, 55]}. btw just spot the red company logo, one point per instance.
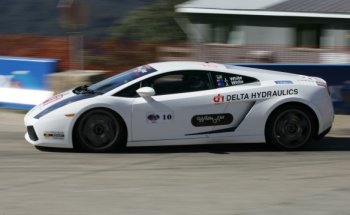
{"type": "Point", "coordinates": [219, 98]}
{"type": "Point", "coordinates": [210, 65]}
{"type": "Point", "coordinates": [52, 99]}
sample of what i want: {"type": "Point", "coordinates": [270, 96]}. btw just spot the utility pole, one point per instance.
{"type": "Point", "coordinates": [73, 16]}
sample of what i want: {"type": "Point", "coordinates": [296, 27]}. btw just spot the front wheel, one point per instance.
{"type": "Point", "coordinates": [99, 131]}
{"type": "Point", "coordinates": [290, 127]}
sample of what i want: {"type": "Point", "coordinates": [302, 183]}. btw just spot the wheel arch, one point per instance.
{"type": "Point", "coordinates": [301, 105]}
{"type": "Point", "coordinates": [98, 108]}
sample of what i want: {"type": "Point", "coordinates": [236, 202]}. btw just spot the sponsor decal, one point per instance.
{"type": "Point", "coordinates": [211, 119]}
{"type": "Point", "coordinates": [229, 129]}
{"type": "Point", "coordinates": [254, 95]}
{"type": "Point", "coordinates": [236, 80]}
{"type": "Point", "coordinates": [160, 117]}
{"type": "Point", "coordinates": [153, 117]}
{"type": "Point", "coordinates": [284, 82]}
{"type": "Point", "coordinates": [220, 81]}
{"type": "Point", "coordinates": [54, 98]}
{"type": "Point", "coordinates": [219, 98]}
{"type": "Point", "coordinates": [143, 70]}
{"type": "Point", "coordinates": [226, 80]}
{"type": "Point", "coordinates": [54, 135]}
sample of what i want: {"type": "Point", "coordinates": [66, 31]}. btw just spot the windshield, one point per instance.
{"type": "Point", "coordinates": [120, 79]}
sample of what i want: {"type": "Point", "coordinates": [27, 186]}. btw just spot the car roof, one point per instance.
{"type": "Point", "coordinates": [261, 74]}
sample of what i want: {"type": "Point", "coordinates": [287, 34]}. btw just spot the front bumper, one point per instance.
{"type": "Point", "coordinates": [51, 131]}
{"type": "Point", "coordinates": [32, 134]}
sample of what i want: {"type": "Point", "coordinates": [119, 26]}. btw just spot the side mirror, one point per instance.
{"type": "Point", "coordinates": [146, 92]}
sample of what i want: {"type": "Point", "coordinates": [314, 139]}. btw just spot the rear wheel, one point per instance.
{"type": "Point", "coordinates": [290, 127]}
{"type": "Point", "coordinates": [99, 131]}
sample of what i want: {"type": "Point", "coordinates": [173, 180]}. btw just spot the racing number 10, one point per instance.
{"type": "Point", "coordinates": [167, 117]}
{"type": "Point", "coordinates": [160, 117]}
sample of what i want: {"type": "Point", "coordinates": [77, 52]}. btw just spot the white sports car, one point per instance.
{"type": "Point", "coordinates": [177, 103]}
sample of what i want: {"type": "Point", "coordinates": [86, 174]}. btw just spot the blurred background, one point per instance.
{"type": "Point", "coordinates": [117, 34]}
{"type": "Point", "coordinates": [105, 37]}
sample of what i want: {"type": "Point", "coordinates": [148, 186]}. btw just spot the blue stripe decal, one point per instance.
{"type": "Point", "coordinates": [63, 103]}
{"type": "Point", "coordinates": [231, 129]}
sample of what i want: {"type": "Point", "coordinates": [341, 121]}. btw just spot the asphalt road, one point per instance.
{"type": "Point", "coordinates": [222, 179]}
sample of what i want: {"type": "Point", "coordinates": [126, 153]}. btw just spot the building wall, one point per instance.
{"type": "Point", "coordinates": [268, 35]}
{"type": "Point", "coordinates": [239, 38]}
{"type": "Point", "coordinates": [253, 30]}
{"type": "Point", "coordinates": [334, 37]}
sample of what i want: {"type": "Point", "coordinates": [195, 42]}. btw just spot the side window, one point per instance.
{"type": "Point", "coordinates": [129, 92]}
{"type": "Point", "coordinates": [171, 83]}
{"type": "Point", "coordinates": [179, 82]}
{"type": "Point", "coordinates": [228, 79]}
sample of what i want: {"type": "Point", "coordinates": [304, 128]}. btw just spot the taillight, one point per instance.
{"type": "Point", "coordinates": [321, 83]}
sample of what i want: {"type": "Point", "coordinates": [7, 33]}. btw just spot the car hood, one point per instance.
{"type": "Point", "coordinates": [56, 102]}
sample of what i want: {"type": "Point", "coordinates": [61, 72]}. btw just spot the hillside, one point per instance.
{"type": "Point", "coordinates": [40, 16]}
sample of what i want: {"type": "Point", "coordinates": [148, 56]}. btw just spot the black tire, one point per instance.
{"type": "Point", "coordinates": [290, 127]}
{"type": "Point", "coordinates": [99, 130]}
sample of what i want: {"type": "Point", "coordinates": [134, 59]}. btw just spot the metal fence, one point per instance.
{"type": "Point", "coordinates": [254, 53]}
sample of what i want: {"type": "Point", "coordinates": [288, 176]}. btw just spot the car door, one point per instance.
{"type": "Point", "coordinates": [234, 91]}
{"type": "Point", "coordinates": [183, 101]}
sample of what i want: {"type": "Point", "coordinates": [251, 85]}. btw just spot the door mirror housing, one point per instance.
{"type": "Point", "coordinates": [146, 92]}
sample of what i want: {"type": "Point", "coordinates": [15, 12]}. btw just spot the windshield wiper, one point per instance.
{"type": "Point", "coordinates": [84, 89]}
